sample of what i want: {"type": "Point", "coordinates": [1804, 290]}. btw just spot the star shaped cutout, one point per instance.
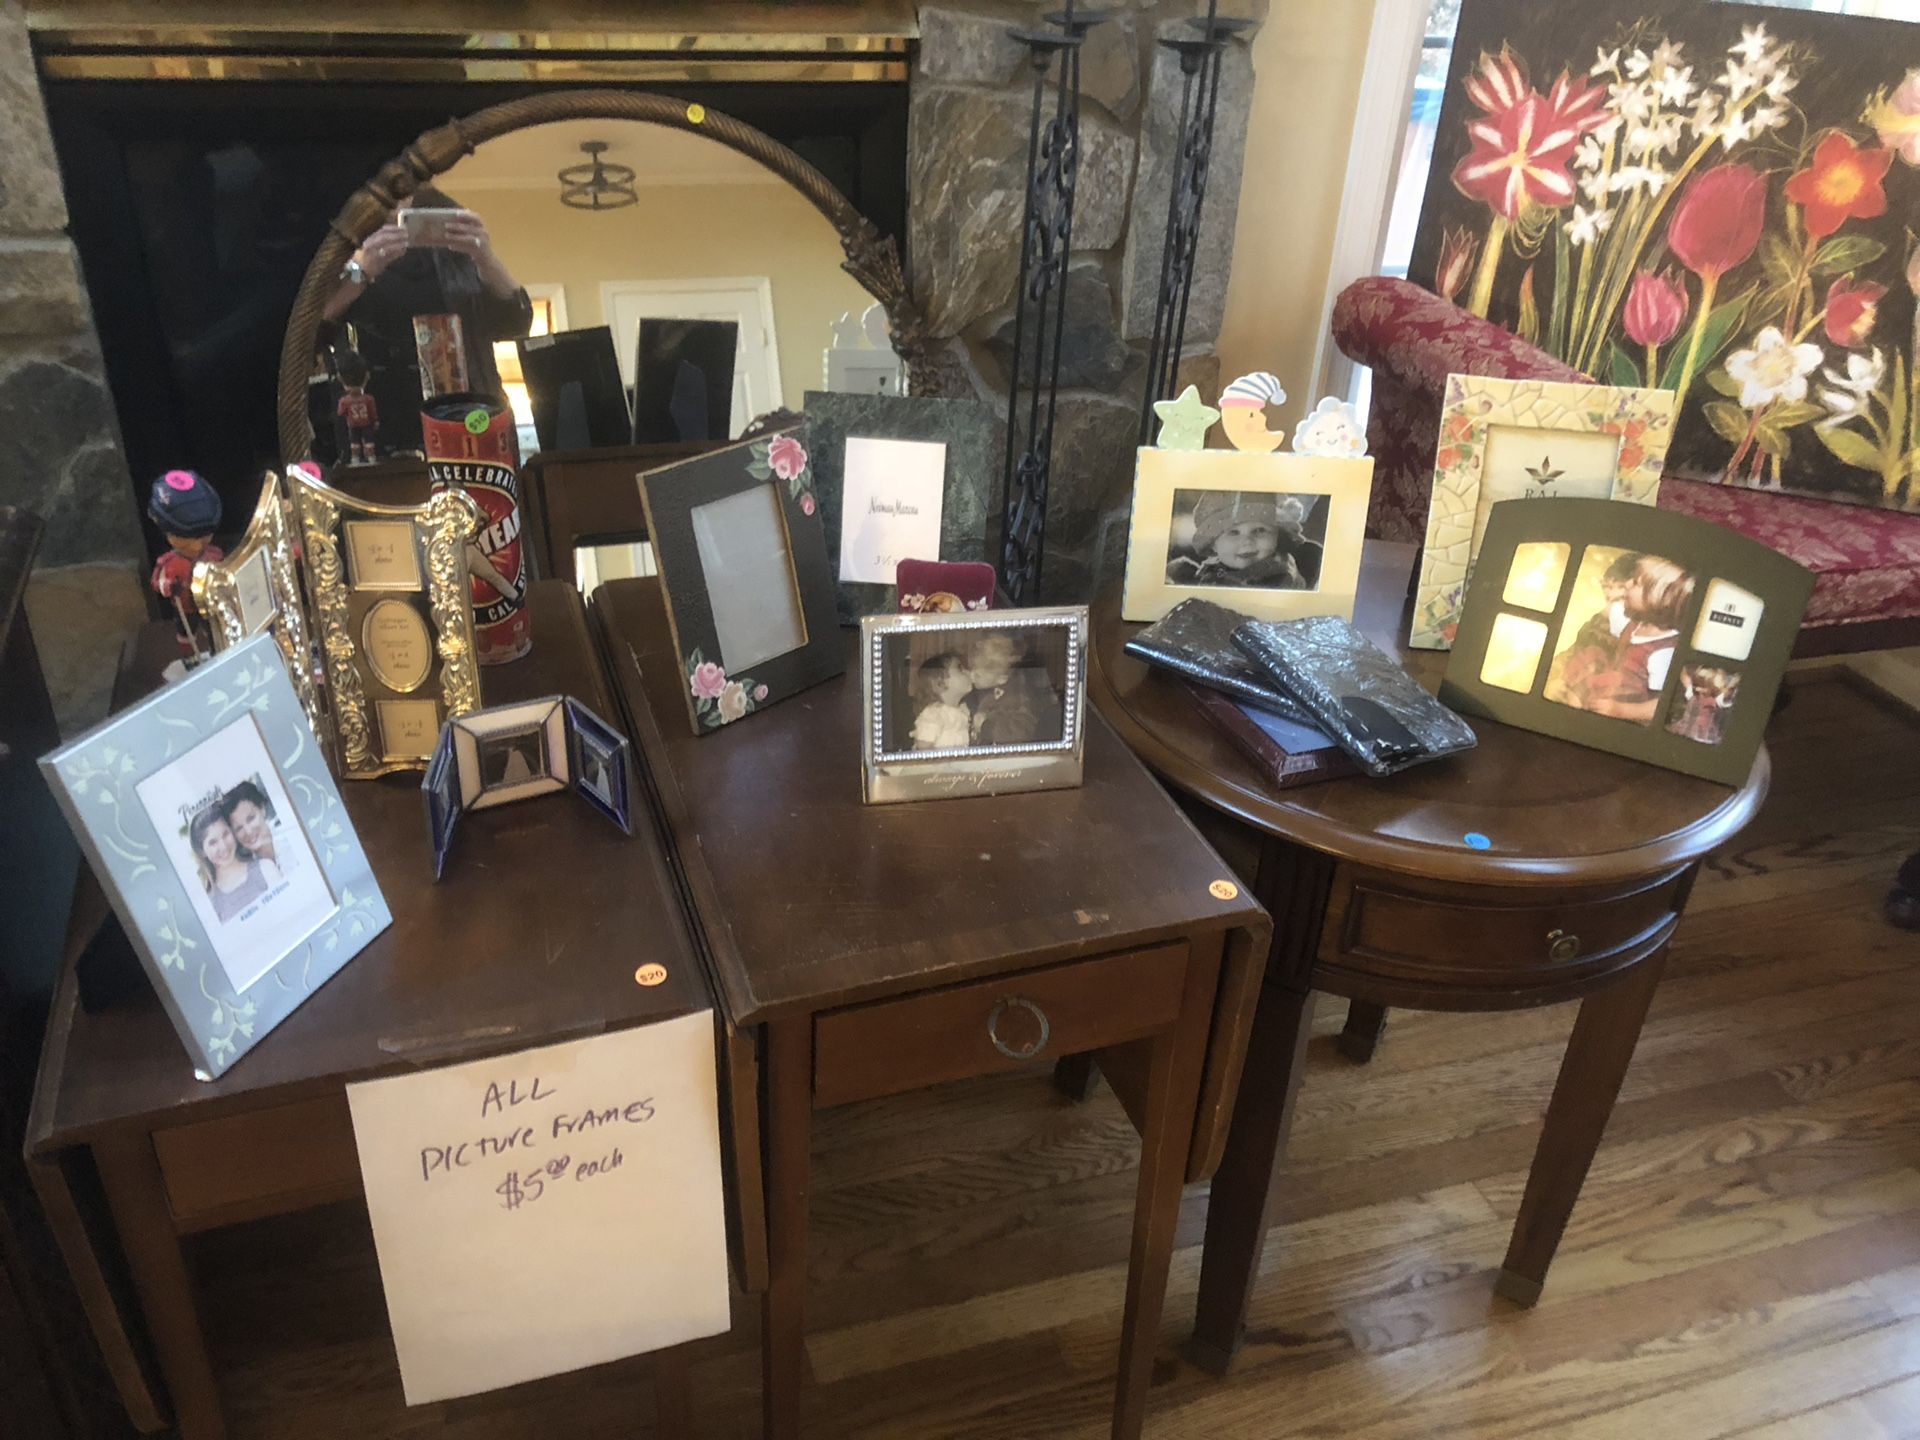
{"type": "Point", "coordinates": [1184, 422]}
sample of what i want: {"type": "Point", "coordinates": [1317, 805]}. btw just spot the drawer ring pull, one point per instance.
{"type": "Point", "coordinates": [1014, 1002]}
{"type": "Point", "coordinates": [1561, 946]}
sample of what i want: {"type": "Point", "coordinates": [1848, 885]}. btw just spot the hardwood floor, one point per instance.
{"type": "Point", "coordinates": [1745, 1260]}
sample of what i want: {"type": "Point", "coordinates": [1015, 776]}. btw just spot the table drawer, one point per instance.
{"type": "Point", "coordinates": [895, 1045]}
{"type": "Point", "coordinates": [265, 1162]}
{"type": "Point", "coordinates": [1407, 929]}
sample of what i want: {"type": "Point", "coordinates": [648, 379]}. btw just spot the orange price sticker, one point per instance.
{"type": "Point", "coordinates": [1224, 890]}
{"type": "Point", "coordinates": [650, 975]}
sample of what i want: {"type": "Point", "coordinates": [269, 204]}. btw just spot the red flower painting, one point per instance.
{"type": "Point", "coordinates": [1844, 182]}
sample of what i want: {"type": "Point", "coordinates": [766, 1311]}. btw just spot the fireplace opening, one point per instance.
{"type": "Point", "coordinates": [196, 206]}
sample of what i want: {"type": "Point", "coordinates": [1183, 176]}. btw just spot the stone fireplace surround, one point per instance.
{"type": "Point", "coordinates": [970, 92]}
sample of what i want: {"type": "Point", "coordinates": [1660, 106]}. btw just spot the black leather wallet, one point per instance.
{"type": "Point", "coordinates": [1357, 692]}
{"type": "Point", "coordinates": [1196, 640]}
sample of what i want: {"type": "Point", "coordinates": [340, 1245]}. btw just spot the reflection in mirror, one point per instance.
{"type": "Point", "coordinates": [594, 565]}
{"type": "Point", "coordinates": [709, 235]}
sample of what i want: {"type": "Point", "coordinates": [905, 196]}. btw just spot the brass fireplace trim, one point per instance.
{"type": "Point", "coordinates": [872, 259]}
{"type": "Point", "coordinates": [679, 41]}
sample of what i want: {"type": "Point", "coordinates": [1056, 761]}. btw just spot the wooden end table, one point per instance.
{"type": "Point", "coordinates": [866, 950]}
{"type": "Point", "coordinates": [1378, 894]}
{"type": "Point", "coordinates": [469, 967]}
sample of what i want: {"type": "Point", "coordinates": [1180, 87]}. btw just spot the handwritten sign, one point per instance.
{"type": "Point", "coordinates": [548, 1210]}
{"type": "Point", "coordinates": [891, 496]}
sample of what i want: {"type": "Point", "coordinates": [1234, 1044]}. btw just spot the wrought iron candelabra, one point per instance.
{"type": "Point", "coordinates": [1202, 57]}
{"type": "Point", "coordinates": [1046, 240]}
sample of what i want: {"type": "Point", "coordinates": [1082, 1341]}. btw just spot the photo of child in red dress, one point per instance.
{"type": "Point", "coordinates": [1616, 659]}
{"type": "Point", "coordinates": [1707, 693]}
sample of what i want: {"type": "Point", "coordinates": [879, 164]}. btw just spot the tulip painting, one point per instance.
{"type": "Point", "coordinates": [1714, 202]}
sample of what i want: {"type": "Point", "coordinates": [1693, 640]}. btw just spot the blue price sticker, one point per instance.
{"type": "Point", "coordinates": [1476, 841]}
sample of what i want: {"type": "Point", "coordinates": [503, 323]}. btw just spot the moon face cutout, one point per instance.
{"type": "Point", "coordinates": [1243, 412]}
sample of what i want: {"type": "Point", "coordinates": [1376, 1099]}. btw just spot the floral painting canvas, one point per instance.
{"type": "Point", "coordinates": [1712, 199]}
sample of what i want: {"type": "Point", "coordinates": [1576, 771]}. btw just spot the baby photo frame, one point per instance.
{"type": "Point", "coordinates": [210, 817]}
{"type": "Point", "coordinates": [1273, 536]}
{"type": "Point", "coordinates": [1638, 631]}
{"type": "Point", "coordinates": [519, 751]}
{"type": "Point", "coordinates": [898, 479]}
{"type": "Point", "coordinates": [744, 572]}
{"type": "Point", "coordinates": [990, 703]}
{"type": "Point", "coordinates": [1527, 440]}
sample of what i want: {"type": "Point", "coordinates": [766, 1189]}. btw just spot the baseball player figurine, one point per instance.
{"type": "Point", "coordinates": [187, 511]}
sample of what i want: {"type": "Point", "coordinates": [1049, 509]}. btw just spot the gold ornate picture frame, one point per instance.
{"type": "Point", "coordinates": [255, 589]}
{"type": "Point", "coordinates": [1498, 441]}
{"type": "Point", "coordinates": [388, 588]}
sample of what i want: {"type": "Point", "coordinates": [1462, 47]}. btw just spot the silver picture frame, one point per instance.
{"type": "Point", "coordinates": [893, 772]}
{"type": "Point", "coordinates": [142, 789]}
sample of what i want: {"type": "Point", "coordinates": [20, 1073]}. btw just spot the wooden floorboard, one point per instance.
{"type": "Point", "coordinates": [1745, 1260]}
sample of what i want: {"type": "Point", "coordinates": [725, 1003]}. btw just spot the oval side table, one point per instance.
{"type": "Point", "coordinates": [1377, 895]}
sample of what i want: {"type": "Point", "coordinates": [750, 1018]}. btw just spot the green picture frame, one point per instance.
{"type": "Point", "coordinates": [1621, 627]}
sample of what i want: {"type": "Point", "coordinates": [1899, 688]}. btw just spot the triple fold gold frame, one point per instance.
{"type": "Point", "coordinates": [255, 589]}
{"type": "Point", "coordinates": [388, 708]}
{"type": "Point", "coordinates": [1475, 405]}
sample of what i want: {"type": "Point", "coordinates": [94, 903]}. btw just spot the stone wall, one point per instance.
{"type": "Point", "coordinates": [60, 450]}
{"type": "Point", "coordinates": [972, 95]}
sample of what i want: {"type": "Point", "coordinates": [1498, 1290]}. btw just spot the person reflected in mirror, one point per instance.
{"type": "Point", "coordinates": [445, 265]}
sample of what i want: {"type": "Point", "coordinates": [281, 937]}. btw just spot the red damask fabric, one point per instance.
{"type": "Point", "coordinates": [1866, 562]}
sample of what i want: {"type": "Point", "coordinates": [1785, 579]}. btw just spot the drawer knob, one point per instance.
{"type": "Point", "coordinates": [1562, 946]}
{"type": "Point", "coordinates": [1029, 1046]}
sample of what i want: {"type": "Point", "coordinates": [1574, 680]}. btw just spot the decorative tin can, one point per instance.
{"type": "Point", "coordinates": [440, 344]}
{"type": "Point", "coordinates": [471, 446]}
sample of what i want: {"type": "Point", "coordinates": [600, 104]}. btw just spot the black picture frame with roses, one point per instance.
{"type": "Point", "coordinates": [670, 495]}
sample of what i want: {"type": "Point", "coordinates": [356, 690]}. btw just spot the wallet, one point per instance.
{"type": "Point", "coordinates": [1196, 640]}
{"type": "Point", "coordinates": [1356, 692]}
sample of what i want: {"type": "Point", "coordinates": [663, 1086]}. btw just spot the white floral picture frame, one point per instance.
{"type": "Point", "coordinates": [149, 793]}
{"type": "Point", "coordinates": [1615, 448]}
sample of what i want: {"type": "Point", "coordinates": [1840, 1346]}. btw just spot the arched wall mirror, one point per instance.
{"type": "Point", "coordinates": [631, 273]}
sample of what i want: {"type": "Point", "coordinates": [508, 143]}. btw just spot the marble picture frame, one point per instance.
{"type": "Point", "coordinates": [225, 975]}
{"type": "Point", "coordinates": [965, 427]}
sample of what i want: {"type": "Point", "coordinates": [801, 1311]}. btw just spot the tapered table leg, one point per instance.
{"type": "Point", "coordinates": [1595, 1064]}
{"type": "Point", "coordinates": [1366, 1023]}
{"type": "Point", "coordinates": [1172, 1103]}
{"type": "Point", "coordinates": [789, 1131]}
{"type": "Point", "coordinates": [1237, 1206]}
{"type": "Point", "coordinates": [137, 1195]}
{"type": "Point", "coordinates": [1075, 1076]}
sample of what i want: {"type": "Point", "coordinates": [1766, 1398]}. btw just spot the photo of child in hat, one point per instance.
{"type": "Point", "coordinates": [1248, 539]}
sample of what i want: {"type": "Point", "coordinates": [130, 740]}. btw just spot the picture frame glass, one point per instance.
{"type": "Point", "coordinates": [1524, 462]}
{"type": "Point", "coordinates": [1247, 539]}
{"type": "Point", "coordinates": [952, 691]}
{"type": "Point", "coordinates": [747, 557]}
{"type": "Point", "coordinates": [227, 827]}
{"type": "Point", "coordinates": [891, 503]}
{"type": "Point", "coordinates": [1616, 645]}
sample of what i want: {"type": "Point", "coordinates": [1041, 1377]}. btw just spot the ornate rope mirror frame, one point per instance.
{"type": "Point", "coordinates": [872, 259]}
